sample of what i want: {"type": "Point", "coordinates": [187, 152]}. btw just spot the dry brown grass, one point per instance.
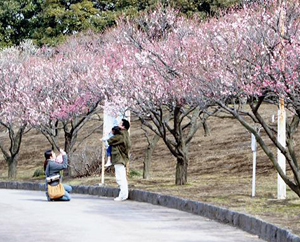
{"type": "Point", "coordinates": [220, 171]}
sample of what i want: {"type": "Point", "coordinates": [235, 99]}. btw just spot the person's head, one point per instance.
{"type": "Point", "coordinates": [50, 154]}
{"type": "Point", "coordinates": [124, 124]}
{"type": "Point", "coordinates": [116, 130]}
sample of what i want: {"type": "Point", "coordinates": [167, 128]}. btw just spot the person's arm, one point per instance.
{"type": "Point", "coordinates": [116, 140]}
{"type": "Point", "coordinates": [127, 138]}
{"type": "Point", "coordinates": [56, 167]}
{"type": "Point", "coordinates": [65, 159]}
{"type": "Point", "coordinates": [107, 137]}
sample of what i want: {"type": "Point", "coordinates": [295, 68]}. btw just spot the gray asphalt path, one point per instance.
{"type": "Point", "coordinates": [27, 216]}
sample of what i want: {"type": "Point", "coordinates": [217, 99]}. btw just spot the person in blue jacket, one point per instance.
{"type": "Point", "coordinates": [52, 169]}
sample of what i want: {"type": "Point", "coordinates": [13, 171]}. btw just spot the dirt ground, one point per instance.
{"type": "Point", "coordinates": [219, 172]}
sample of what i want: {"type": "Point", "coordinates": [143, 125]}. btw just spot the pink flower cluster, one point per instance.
{"type": "Point", "coordinates": [158, 59]}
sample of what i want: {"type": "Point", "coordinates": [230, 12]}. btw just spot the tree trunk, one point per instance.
{"type": "Point", "coordinates": [181, 170]}
{"type": "Point", "coordinates": [12, 153]}
{"type": "Point", "coordinates": [206, 128]}
{"type": "Point", "coordinates": [12, 167]}
{"type": "Point", "coordinates": [147, 163]}
{"type": "Point", "coordinates": [148, 156]}
{"type": "Point", "coordinates": [68, 140]}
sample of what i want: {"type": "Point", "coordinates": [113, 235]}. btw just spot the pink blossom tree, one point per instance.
{"type": "Point", "coordinates": [250, 58]}
{"type": "Point", "coordinates": [64, 99]}
{"type": "Point", "coordinates": [147, 63]}
{"type": "Point", "coordinates": [14, 90]}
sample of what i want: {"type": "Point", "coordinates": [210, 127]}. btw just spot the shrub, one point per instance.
{"type": "Point", "coordinates": [38, 172]}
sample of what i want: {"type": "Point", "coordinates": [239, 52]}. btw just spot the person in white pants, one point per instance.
{"type": "Point", "coordinates": [120, 146]}
{"type": "Point", "coordinates": [121, 179]}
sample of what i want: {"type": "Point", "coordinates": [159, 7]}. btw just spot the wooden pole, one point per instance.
{"type": "Point", "coordinates": [281, 126]}
{"type": "Point", "coordinates": [102, 163]}
{"type": "Point", "coordinates": [253, 148]}
{"type": "Point", "coordinates": [281, 136]}
{"type": "Point", "coordinates": [103, 149]}
{"type": "Point", "coordinates": [107, 125]}
{"type": "Point", "coordinates": [127, 116]}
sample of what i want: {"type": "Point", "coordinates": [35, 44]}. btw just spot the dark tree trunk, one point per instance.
{"type": "Point", "coordinates": [182, 165]}
{"type": "Point", "coordinates": [147, 163]}
{"type": "Point", "coordinates": [11, 154]}
{"type": "Point", "coordinates": [148, 156]}
{"type": "Point", "coordinates": [68, 141]}
{"type": "Point", "coordinates": [206, 128]}
{"type": "Point", "coordinates": [170, 125]}
{"type": "Point", "coordinates": [12, 167]}
{"type": "Point", "coordinates": [181, 171]}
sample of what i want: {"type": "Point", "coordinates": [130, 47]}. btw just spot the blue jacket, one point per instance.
{"type": "Point", "coordinates": [53, 168]}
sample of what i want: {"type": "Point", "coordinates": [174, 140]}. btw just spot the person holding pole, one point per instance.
{"type": "Point", "coordinates": [114, 131]}
{"type": "Point", "coordinates": [120, 146]}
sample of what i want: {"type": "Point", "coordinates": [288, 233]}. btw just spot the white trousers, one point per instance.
{"type": "Point", "coordinates": [121, 179]}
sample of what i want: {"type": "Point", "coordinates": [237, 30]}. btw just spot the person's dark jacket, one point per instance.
{"type": "Point", "coordinates": [120, 146]}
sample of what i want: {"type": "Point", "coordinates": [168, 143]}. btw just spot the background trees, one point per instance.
{"type": "Point", "coordinates": [152, 56]}
{"type": "Point", "coordinates": [61, 18]}
{"type": "Point", "coordinates": [239, 58]}
{"type": "Point", "coordinates": [49, 22]}
{"type": "Point", "coordinates": [18, 19]}
{"type": "Point", "coordinates": [48, 89]}
{"type": "Point", "coordinates": [15, 93]}
{"type": "Point", "coordinates": [65, 101]}
{"type": "Point", "coordinates": [251, 59]}
{"type": "Point", "coordinates": [169, 69]}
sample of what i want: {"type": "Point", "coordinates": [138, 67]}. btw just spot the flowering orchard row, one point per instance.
{"type": "Point", "coordinates": [172, 72]}
{"type": "Point", "coordinates": [178, 69]}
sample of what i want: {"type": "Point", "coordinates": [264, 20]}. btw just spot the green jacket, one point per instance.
{"type": "Point", "coordinates": [120, 146]}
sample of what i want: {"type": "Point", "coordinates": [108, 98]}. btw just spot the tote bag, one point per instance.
{"type": "Point", "coordinates": [57, 191]}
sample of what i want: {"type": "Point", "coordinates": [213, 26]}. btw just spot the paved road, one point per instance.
{"type": "Point", "coordinates": [27, 216]}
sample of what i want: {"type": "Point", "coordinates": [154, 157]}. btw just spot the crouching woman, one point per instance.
{"type": "Point", "coordinates": [52, 171]}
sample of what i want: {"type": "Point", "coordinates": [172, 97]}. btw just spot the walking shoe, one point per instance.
{"type": "Point", "coordinates": [108, 164]}
{"type": "Point", "coordinates": [119, 199]}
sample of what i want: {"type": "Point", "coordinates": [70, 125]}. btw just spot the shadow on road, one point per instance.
{"type": "Point", "coordinates": [35, 200]}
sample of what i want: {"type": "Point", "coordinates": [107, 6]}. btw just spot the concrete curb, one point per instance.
{"type": "Point", "coordinates": [242, 221]}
